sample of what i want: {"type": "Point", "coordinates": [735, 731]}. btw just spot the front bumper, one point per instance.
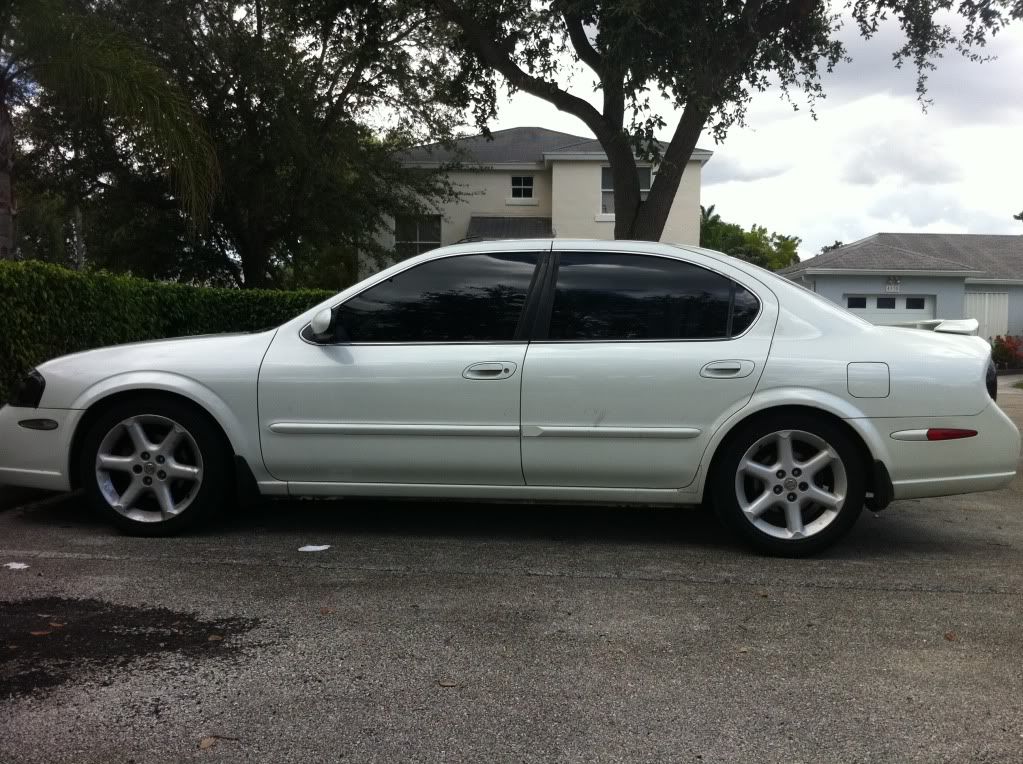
{"type": "Point", "coordinates": [36, 458]}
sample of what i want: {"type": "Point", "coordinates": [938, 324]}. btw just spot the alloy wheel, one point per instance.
{"type": "Point", "coordinates": [791, 484]}
{"type": "Point", "coordinates": [149, 468]}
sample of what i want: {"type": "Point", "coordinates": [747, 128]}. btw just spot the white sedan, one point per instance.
{"type": "Point", "coordinates": [546, 370]}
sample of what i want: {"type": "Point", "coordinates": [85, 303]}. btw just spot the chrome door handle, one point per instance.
{"type": "Point", "coordinates": [729, 369]}
{"type": "Point", "coordinates": [490, 370]}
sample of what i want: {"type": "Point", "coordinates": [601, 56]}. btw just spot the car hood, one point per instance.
{"type": "Point", "coordinates": [200, 358]}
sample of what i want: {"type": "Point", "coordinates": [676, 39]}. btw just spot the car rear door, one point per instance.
{"type": "Point", "coordinates": [420, 385]}
{"type": "Point", "coordinates": [635, 360]}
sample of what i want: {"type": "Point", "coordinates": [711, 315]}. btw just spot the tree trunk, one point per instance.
{"type": "Point", "coordinates": [625, 178]}
{"type": "Point", "coordinates": [7, 247]}
{"type": "Point", "coordinates": [648, 223]}
{"type": "Point", "coordinates": [255, 258]}
{"type": "Point", "coordinates": [79, 238]}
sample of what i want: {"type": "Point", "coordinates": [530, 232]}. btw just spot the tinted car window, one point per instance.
{"type": "Point", "coordinates": [608, 296]}
{"type": "Point", "coordinates": [745, 307]}
{"type": "Point", "coordinates": [468, 298]}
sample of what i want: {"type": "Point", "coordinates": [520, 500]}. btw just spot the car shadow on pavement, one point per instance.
{"type": "Point", "coordinates": [903, 530]}
{"type": "Point", "coordinates": [563, 523]}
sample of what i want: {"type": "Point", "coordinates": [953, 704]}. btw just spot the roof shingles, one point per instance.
{"type": "Point", "coordinates": [516, 145]}
{"type": "Point", "coordinates": [994, 256]}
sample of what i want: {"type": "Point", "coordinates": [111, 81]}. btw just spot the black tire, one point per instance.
{"type": "Point", "coordinates": [724, 487]}
{"type": "Point", "coordinates": [214, 490]}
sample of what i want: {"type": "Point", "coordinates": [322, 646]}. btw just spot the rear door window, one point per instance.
{"type": "Point", "coordinates": [615, 296]}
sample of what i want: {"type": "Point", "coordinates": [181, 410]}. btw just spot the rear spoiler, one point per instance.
{"type": "Point", "coordinates": [946, 325]}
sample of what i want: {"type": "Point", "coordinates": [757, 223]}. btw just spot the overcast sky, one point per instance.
{"type": "Point", "coordinates": [873, 161]}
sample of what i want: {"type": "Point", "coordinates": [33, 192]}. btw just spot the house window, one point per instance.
{"type": "Point", "coordinates": [915, 303]}
{"type": "Point", "coordinates": [415, 234]}
{"type": "Point", "coordinates": [522, 186]}
{"type": "Point", "coordinates": [886, 303]}
{"type": "Point", "coordinates": [856, 302]}
{"type": "Point", "coordinates": [607, 188]}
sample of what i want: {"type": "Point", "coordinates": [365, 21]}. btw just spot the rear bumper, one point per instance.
{"type": "Point", "coordinates": [940, 468]}
{"type": "Point", "coordinates": [36, 458]}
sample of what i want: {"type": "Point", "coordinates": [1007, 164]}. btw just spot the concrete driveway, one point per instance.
{"type": "Point", "coordinates": [439, 632]}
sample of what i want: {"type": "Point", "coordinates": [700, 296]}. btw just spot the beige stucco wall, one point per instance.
{"type": "Point", "coordinates": [489, 193]}
{"type": "Point", "coordinates": [576, 204]}
{"type": "Point", "coordinates": [569, 193]}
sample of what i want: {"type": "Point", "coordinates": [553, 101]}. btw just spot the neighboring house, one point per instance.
{"type": "Point", "coordinates": [530, 182]}
{"type": "Point", "coordinates": [891, 278]}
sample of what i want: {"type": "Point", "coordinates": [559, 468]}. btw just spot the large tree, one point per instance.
{"type": "Point", "coordinates": [706, 58]}
{"type": "Point", "coordinates": [64, 51]}
{"type": "Point", "coordinates": [308, 105]}
{"type": "Point", "coordinates": [290, 90]}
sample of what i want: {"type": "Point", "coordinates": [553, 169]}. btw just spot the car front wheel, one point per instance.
{"type": "Point", "coordinates": [790, 484]}
{"type": "Point", "coordinates": [154, 466]}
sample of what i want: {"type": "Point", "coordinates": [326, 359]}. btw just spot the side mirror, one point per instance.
{"type": "Point", "coordinates": [322, 325]}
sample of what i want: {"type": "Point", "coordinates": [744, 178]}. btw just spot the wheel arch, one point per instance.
{"type": "Point", "coordinates": [861, 435]}
{"type": "Point", "coordinates": [95, 405]}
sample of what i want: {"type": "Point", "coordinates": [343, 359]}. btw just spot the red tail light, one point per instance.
{"type": "Point", "coordinates": [949, 433]}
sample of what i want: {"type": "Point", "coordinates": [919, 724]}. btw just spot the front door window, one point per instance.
{"type": "Point", "coordinates": [468, 298]}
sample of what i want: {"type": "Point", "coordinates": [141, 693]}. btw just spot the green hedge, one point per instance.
{"type": "Point", "coordinates": [48, 311]}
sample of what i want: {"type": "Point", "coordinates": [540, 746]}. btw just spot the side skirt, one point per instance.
{"type": "Point", "coordinates": [668, 496]}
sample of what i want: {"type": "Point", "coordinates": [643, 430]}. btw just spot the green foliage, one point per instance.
{"type": "Point", "coordinates": [48, 311]}
{"type": "Point", "coordinates": [768, 250]}
{"type": "Point", "coordinates": [308, 106]}
{"type": "Point", "coordinates": [830, 247]}
{"type": "Point", "coordinates": [64, 49]}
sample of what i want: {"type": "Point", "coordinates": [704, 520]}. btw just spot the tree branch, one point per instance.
{"type": "Point", "coordinates": [781, 16]}
{"type": "Point", "coordinates": [499, 59]}
{"type": "Point", "coordinates": [577, 34]}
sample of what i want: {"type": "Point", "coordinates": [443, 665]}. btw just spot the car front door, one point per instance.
{"type": "Point", "coordinates": [642, 357]}
{"type": "Point", "coordinates": [419, 384]}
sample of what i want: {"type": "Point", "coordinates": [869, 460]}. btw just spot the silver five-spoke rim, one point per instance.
{"type": "Point", "coordinates": [791, 484]}
{"type": "Point", "coordinates": [149, 468]}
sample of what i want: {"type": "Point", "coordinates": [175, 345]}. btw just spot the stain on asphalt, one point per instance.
{"type": "Point", "coordinates": [49, 641]}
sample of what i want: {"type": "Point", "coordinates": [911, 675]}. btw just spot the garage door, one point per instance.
{"type": "Point", "coordinates": [891, 308]}
{"type": "Point", "coordinates": [991, 309]}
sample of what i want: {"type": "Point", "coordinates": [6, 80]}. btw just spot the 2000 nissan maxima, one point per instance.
{"type": "Point", "coordinates": [587, 371]}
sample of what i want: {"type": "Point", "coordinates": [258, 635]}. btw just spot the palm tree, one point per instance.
{"type": "Point", "coordinates": [50, 46]}
{"type": "Point", "coordinates": [708, 216]}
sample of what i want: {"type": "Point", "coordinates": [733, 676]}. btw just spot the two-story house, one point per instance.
{"type": "Point", "coordinates": [531, 182]}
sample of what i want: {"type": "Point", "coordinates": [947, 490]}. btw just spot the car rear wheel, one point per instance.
{"type": "Point", "coordinates": [791, 485]}
{"type": "Point", "coordinates": [154, 466]}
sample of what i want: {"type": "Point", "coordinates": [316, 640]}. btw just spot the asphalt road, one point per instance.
{"type": "Point", "coordinates": [439, 632]}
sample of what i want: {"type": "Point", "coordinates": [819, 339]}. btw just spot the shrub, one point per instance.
{"type": "Point", "coordinates": [48, 311]}
{"type": "Point", "coordinates": [1007, 352]}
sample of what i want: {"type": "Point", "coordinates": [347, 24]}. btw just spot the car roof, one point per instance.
{"type": "Point", "coordinates": [600, 245]}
